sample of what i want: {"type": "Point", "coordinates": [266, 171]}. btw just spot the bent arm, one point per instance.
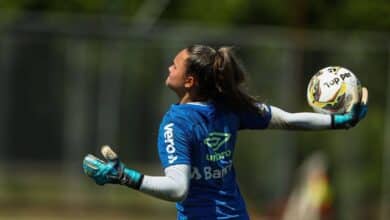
{"type": "Point", "coordinates": [171, 187]}
{"type": "Point", "coordinates": [281, 119]}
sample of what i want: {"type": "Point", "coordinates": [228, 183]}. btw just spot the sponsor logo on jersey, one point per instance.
{"type": "Point", "coordinates": [215, 140]}
{"type": "Point", "coordinates": [208, 173]}
{"type": "Point", "coordinates": [170, 144]}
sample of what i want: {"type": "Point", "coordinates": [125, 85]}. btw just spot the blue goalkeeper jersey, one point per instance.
{"type": "Point", "coordinates": [203, 136]}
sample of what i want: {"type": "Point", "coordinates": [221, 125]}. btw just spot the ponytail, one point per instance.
{"type": "Point", "coordinates": [220, 77]}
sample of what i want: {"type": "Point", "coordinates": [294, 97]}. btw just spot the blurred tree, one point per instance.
{"type": "Point", "coordinates": [351, 14]}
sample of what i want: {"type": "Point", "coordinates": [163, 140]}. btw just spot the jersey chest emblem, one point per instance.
{"type": "Point", "coordinates": [216, 139]}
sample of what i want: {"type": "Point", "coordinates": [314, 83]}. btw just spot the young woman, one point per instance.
{"type": "Point", "coordinates": [197, 136]}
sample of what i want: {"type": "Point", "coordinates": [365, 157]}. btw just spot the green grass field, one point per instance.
{"type": "Point", "coordinates": [45, 195]}
{"type": "Point", "coordinates": [36, 193]}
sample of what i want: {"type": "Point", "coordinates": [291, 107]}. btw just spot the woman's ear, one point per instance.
{"type": "Point", "coordinates": [189, 82]}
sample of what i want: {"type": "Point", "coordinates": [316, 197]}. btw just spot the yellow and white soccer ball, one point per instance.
{"type": "Point", "coordinates": [333, 90]}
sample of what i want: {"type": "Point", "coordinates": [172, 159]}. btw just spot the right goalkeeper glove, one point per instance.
{"type": "Point", "coordinates": [113, 171]}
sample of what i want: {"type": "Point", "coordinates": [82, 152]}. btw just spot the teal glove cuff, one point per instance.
{"type": "Point", "coordinates": [349, 119]}
{"type": "Point", "coordinates": [132, 178]}
{"type": "Point", "coordinates": [342, 121]}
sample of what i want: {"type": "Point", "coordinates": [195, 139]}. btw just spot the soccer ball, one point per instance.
{"type": "Point", "coordinates": [333, 90]}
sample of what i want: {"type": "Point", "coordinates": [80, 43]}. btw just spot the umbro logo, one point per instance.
{"type": "Point", "coordinates": [216, 139]}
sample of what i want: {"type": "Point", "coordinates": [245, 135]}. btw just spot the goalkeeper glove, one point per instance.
{"type": "Point", "coordinates": [351, 118]}
{"type": "Point", "coordinates": [113, 171]}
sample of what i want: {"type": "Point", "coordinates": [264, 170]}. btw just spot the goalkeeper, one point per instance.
{"type": "Point", "coordinates": [197, 136]}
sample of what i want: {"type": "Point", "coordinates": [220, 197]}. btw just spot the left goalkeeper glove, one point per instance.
{"type": "Point", "coordinates": [351, 118]}
{"type": "Point", "coordinates": [113, 171]}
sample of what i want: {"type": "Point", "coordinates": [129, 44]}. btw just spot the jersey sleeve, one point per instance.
{"type": "Point", "coordinates": [256, 120]}
{"type": "Point", "coordinates": [174, 142]}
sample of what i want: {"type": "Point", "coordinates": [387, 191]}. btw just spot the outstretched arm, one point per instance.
{"type": "Point", "coordinates": [298, 121]}
{"type": "Point", "coordinates": [281, 119]}
{"type": "Point", "coordinates": [173, 186]}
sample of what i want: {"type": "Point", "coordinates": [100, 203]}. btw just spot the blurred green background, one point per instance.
{"type": "Point", "coordinates": [78, 74]}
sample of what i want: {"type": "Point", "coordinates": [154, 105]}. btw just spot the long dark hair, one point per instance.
{"type": "Point", "coordinates": [220, 77]}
